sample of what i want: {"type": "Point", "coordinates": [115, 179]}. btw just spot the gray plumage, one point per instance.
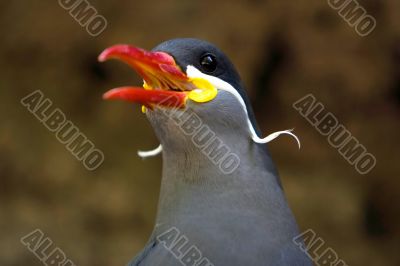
{"type": "Point", "coordinates": [237, 219]}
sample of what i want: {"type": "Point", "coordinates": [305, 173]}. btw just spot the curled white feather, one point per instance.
{"type": "Point", "coordinates": [193, 72]}
{"type": "Point", "coordinates": [152, 153]}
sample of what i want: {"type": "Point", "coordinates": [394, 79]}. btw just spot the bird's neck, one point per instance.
{"type": "Point", "coordinates": [198, 190]}
{"type": "Point", "coordinates": [196, 187]}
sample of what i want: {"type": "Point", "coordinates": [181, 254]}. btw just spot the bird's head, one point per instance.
{"type": "Point", "coordinates": [186, 78]}
{"type": "Point", "coordinates": [183, 74]}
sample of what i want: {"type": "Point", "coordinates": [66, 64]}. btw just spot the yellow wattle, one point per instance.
{"type": "Point", "coordinates": [205, 91]}
{"type": "Point", "coordinates": [145, 86]}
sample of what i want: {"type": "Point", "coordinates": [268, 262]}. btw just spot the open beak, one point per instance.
{"type": "Point", "coordinates": [164, 82]}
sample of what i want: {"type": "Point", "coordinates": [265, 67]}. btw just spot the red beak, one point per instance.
{"type": "Point", "coordinates": [166, 84]}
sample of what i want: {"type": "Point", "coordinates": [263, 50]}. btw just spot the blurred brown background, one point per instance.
{"type": "Point", "coordinates": [283, 50]}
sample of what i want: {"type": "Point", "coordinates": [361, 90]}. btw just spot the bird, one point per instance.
{"type": "Point", "coordinates": [221, 200]}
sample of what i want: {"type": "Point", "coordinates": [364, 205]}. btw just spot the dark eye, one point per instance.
{"type": "Point", "coordinates": [209, 63]}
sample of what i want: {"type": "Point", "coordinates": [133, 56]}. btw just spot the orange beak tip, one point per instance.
{"type": "Point", "coordinates": [111, 94]}
{"type": "Point", "coordinates": [105, 96]}
{"type": "Point", "coordinates": [104, 56]}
